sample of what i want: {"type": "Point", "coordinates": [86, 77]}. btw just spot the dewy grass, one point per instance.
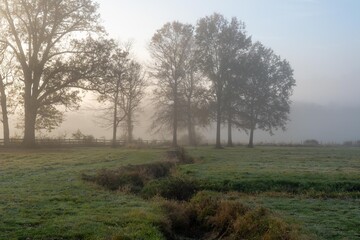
{"type": "Point", "coordinates": [318, 187]}
{"type": "Point", "coordinates": [42, 195]}
{"type": "Point", "coordinates": [327, 218]}
{"type": "Point", "coordinates": [294, 170]}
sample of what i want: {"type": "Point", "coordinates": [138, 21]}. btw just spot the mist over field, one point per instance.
{"type": "Point", "coordinates": [327, 124]}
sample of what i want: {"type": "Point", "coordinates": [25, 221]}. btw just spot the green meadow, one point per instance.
{"type": "Point", "coordinates": [318, 188]}
{"type": "Point", "coordinates": [43, 195]}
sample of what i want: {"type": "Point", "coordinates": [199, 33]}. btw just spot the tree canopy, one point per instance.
{"type": "Point", "coordinates": [268, 86]}
{"type": "Point", "coordinates": [219, 43]}
{"type": "Point", "coordinates": [46, 36]}
{"type": "Point", "coordinates": [169, 48]}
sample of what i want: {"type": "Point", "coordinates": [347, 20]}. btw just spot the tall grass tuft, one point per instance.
{"type": "Point", "coordinates": [208, 215]}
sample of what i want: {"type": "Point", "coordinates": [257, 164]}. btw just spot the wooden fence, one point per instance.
{"type": "Point", "coordinates": [87, 142]}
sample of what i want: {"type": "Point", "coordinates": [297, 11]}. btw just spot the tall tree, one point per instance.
{"type": "Point", "coordinates": [269, 85]}
{"type": "Point", "coordinates": [132, 93]}
{"type": "Point", "coordinates": [169, 48]}
{"type": "Point", "coordinates": [231, 104]}
{"type": "Point", "coordinates": [6, 79]}
{"type": "Point", "coordinates": [4, 109]}
{"type": "Point", "coordinates": [196, 97]}
{"type": "Point", "coordinates": [233, 116]}
{"type": "Point", "coordinates": [42, 35]}
{"type": "Point", "coordinates": [121, 88]}
{"type": "Point", "coordinates": [111, 88]}
{"type": "Point", "coordinates": [219, 42]}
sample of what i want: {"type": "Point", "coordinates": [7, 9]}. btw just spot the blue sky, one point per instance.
{"type": "Point", "coordinates": [320, 38]}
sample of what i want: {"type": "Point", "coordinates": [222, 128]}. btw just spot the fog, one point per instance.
{"type": "Point", "coordinates": [321, 40]}
{"type": "Point", "coordinates": [325, 123]}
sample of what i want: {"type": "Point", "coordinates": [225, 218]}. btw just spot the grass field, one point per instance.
{"type": "Point", "coordinates": [322, 169]}
{"type": "Point", "coordinates": [42, 195]}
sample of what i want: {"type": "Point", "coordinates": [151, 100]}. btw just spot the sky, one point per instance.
{"type": "Point", "coordinates": [320, 38]}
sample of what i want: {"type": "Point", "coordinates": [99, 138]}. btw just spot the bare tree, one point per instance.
{"type": "Point", "coordinates": [169, 48]}
{"type": "Point", "coordinates": [5, 81]}
{"type": "Point", "coordinates": [9, 90]}
{"type": "Point", "coordinates": [42, 35]}
{"type": "Point", "coordinates": [196, 97]}
{"type": "Point", "coordinates": [120, 89]}
{"type": "Point", "coordinates": [4, 109]}
{"type": "Point", "coordinates": [219, 42]}
{"type": "Point", "coordinates": [132, 93]}
{"type": "Point", "coordinates": [269, 85]}
{"type": "Point", "coordinates": [111, 87]}
{"type": "Point", "coordinates": [231, 102]}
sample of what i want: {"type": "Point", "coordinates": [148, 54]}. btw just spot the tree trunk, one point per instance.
{"type": "Point", "coordinates": [193, 136]}
{"type": "Point", "coordinates": [190, 126]}
{"type": "Point", "coordinates": [129, 128]}
{"type": "Point", "coordinates": [115, 122]}
{"type": "Point", "coordinates": [5, 118]}
{"type": "Point", "coordinates": [30, 117]}
{"type": "Point", "coordinates": [253, 126]}
{"type": "Point", "coordinates": [251, 140]}
{"type": "Point", "coordinates": [218, 124]}
{"type": "Point", "coordinates": [174, 141]}
{"type": "Point", "coordinates": [114, 125]}
{"type": "Point", "coordinates": [30, 121]}
{"type": "Point", "coordinates": [190, 138]}
{"type": "Point", "coordinates": [175, 120]}
{"type": "Point", "coordinates": [230, 142]}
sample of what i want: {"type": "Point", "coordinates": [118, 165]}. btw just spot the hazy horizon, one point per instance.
{"type": "Point", "coordinates": [327, 124]}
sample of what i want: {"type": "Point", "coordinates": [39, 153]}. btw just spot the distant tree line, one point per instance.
{"type": "Point", "coordinates": [52, 52]}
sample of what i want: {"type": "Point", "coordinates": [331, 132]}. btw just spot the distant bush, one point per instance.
{"type": "Point", "coordinates": [78, 135]}
{"type": "Point", "coordinates": [348, 143]}
{"type": "Point", "coordinates": [184, 139]}
{"type": "Point", "coordinates": [351, 144]}
{"type": "Point", "coordinates": [311, 142]}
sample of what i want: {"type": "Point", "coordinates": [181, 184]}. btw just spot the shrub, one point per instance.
{"type": "Point", "coordinates": [209, 215]}
{"type": "Point", "coordinates": [151, 170]}
{"type": "Point", "coordinates": [131, 178]}
{"type": "Point", "coordinates": [180, 215]}
{"type": "Point", "coordinates": [311, 142]}
{"type": "Point", "coordinates": [348, 143]}
{"type": "Point", "coordinates": [260, 223]}
{"type": "Point", "coordinates": [177, 188]}
{"type": "Point", "coordinates": [113, 180]}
